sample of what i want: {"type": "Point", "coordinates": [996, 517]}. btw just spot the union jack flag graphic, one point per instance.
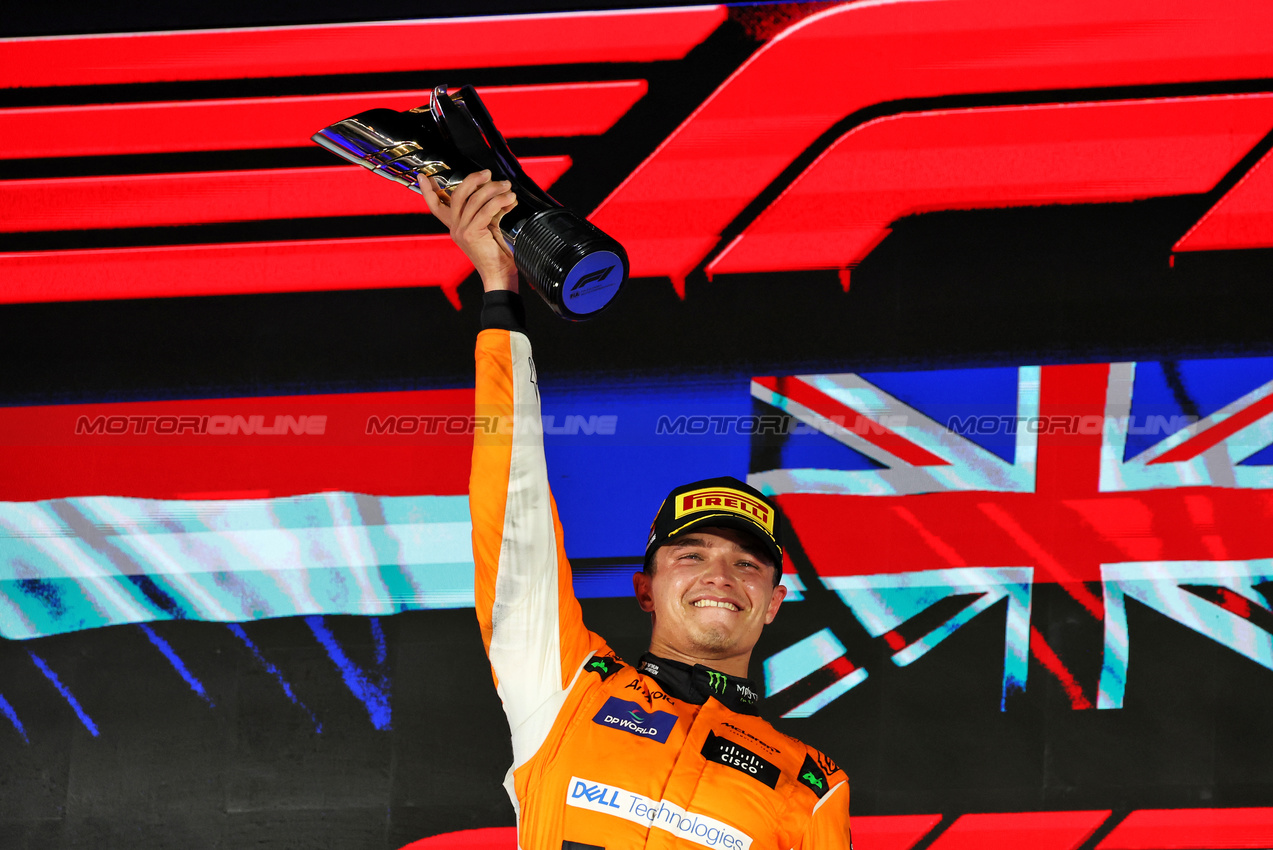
{"type": "Point", "coordinates": [952, 490]}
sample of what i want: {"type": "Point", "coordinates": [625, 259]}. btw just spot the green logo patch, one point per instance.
{"type": "Point", "coordinates": [814, 778]}
{"type": "Point", "coordinates": [604, 666]}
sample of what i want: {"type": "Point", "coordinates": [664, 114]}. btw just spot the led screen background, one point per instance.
{"type": "Point", "coordinates": [980, 292]}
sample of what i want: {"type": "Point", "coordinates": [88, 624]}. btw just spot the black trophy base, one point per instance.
{"type": "Point", "coordinates": [575, 267]}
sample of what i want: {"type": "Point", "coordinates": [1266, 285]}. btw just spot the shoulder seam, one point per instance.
{"type": "Point", "coordinates": [828, 795]}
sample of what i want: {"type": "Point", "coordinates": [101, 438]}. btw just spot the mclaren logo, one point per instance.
{"type": "Point", "coordinates": [726, 499]}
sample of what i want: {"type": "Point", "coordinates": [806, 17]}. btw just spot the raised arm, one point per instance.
{"type": "Point", "coordinates": [530, 620]}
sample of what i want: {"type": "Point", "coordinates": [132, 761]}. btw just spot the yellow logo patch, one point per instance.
{"type": "Point", "coordinates": [726, 499]}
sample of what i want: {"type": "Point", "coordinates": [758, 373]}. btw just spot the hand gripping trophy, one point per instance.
{"type": "Point", "coordinates": [574, 267]}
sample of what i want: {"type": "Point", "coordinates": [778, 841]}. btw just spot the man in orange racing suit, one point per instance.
{"type": "Point", "coordinates": [671, 753]}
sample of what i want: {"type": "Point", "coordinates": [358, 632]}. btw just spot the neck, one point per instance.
{"type": "Point", "coordinates": [698, 683]}
{"type": "Point", "coordinates": [733, 665]}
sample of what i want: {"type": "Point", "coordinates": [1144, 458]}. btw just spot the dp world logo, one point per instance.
{"type": "Point", "coordinates": [628, 717]}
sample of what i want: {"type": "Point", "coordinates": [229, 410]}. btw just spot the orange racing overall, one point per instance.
{"type": "Point", "coordinates": [605, 754]}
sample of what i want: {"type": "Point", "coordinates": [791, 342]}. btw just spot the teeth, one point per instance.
{"type": "Point", "coordinates": [711, 603]}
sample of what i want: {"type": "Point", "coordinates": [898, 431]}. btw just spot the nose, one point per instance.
{"type": "Point", "coordinates": [718, 570]}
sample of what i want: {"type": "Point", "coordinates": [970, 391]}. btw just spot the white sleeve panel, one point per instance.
{"type": "Point", "coordinates": [525, 649]}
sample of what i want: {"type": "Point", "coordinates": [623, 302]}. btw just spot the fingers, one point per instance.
{"type": "Point", "coordinates": [436, 206]}
{"type": "Point", "coordinates": [474, 209]}
{"type": "Point", "coordinates": [460, 194]}
{"type": "Point", "coordinates": [476, 205]}
{"type": "Point", "coordinates": [493, 228]}
{"type": "Point", "coordinates": [491, 211]}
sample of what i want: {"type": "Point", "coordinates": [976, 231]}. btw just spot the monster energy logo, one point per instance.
{"type": "Point", "coordinates": [717, 681]}
{"type": "Point", "coordinates": [812, 780]}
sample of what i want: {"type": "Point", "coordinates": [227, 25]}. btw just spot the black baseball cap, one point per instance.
{"type": "Point", "coordinates": [718, 502]}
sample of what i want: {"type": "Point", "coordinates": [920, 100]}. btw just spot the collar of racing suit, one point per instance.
{"type": "Point", "coordinates": [695, 684]}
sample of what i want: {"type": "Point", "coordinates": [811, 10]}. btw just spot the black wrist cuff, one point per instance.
{"type": "Point", "coordinates": [503, 310]}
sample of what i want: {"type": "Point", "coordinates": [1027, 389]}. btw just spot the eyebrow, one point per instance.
{"type": "Point", "coordinates": [683, 542]}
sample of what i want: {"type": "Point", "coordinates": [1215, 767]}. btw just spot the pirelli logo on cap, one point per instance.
{"type": "Point", "coordinates": [726, 499]}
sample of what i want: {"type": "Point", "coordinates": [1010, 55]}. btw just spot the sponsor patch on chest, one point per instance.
{"type": "Point", "coordinates": [655, 814]}
{"type": "Point", "coordinates": [740, 758]}
{"type": "Point", "coordinates": [631, 717]}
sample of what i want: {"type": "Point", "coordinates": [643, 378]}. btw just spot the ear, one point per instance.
{"type": "Point", "coordinates": [643, 587]}
{"type": "Point", "coordinates": [780, 593]}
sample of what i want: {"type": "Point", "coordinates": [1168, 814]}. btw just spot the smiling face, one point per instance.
{"type": "Point", "coordinates": [710, 593]}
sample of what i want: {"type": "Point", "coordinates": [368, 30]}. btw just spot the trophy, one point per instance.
{"type": "Point", "coordinates": [574, 266]}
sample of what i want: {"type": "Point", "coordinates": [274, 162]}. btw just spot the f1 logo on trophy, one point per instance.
{"type": "Point", "coordinates": [574, 266]}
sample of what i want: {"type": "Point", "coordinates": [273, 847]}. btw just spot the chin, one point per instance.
{"type": "Point", "coordinates": [713, 640]}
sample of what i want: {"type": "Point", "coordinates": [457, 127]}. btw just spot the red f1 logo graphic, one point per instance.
{"type": "Point", "coordinates": [832, 130]}
{"type": "Point", "coordinates": [832, 66]}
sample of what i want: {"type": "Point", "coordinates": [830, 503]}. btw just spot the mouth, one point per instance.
{"type": "Point", "coordinates": [714, 603]}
